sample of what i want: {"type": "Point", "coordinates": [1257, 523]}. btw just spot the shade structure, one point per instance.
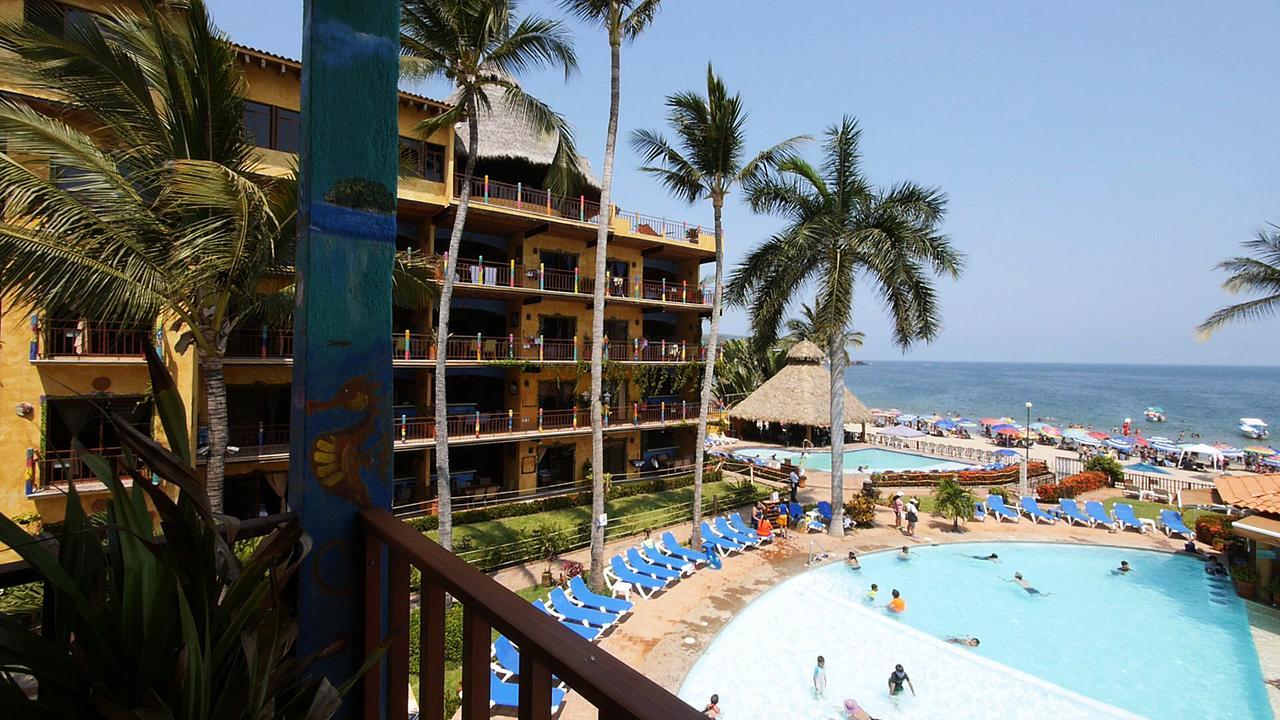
{"type": "Point", "coordinates": [1262, 450]}
{"type": "Point", "coordinates": [1200, 449]}
{"type": "Point", "coordinates": [1006, 452]}
{"type": "Point", "coordinates": [902, 431]}
{"type": "Point", "coordinates": [1098, 435]}
{"type": "Point", "coordinates": [799, 394]}
{"type": "Point", "coordinates": [908, 418]}
{"type": "Point", "coordinates": [1166, 447]}
{"type": "Point", "coordinates": [1122, 444]}
{"type": "Point", "coordinates": [1147, 468]}
{"type": "Point", "coordinates": [1049, 431]}
{"type": "Point", "coordinates": [1075, 433]}
{"type": "Point", "coordinates": [945, 424]}
{"type": "Point", "coordinates": [1010, 431]}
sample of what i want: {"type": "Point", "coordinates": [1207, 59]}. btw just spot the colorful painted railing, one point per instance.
{"type": "Point", "coordinates": [258, 440]}
{"type": "Point", "coordinates": [91, 338]}
{"type": "Point", "coordinates": [486, 191]}
{"type": "Point", "coordinates": [678, 230]}
{"type": "Point", "coordinates": [264, 343]}
{"type": "Point", "coordinates": [483, 273]}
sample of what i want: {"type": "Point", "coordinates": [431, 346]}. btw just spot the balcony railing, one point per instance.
{"type": "Point", "coordinates": [265, 343]}
{"type": "Point", "coordinates": [91, 338]}
{"type": "Point", "coordinates": [485, 273]}
{"type": "Point", "coordinates": [677, 230]}
{"type": "Point", "coordinates": [533, 200]}
{"type": "Point", "coordinates": [62, 468]}
{"type": "Point", "coordinates": [547, 649]}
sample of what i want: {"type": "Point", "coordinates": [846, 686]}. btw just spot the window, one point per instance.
{"type": "Point", "coordinates": [288, 134]}
{"type": "Point", "coordinates": [257, 123]}
{"type": "Point", "coordinates": [425, 160]}
{"type": "Point", "coordinates": [57, 19]}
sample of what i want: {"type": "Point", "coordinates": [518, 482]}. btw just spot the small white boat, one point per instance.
{"type": "Point", "coordinates": [1254, 428]}
{"type": "Point", "coordinates": [1154, 414]}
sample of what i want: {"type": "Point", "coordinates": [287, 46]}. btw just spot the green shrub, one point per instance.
{"type": "Point", "coordinates": [1106, 464]}
{"type": "Point", "coordinates": [861, 511]}
{"type": "Point", "coordinates": [999, 491]}
{"type": "Point", "coordinates": [1245, 573]}
{"type": "Point", "coordinates": [1212, 526]}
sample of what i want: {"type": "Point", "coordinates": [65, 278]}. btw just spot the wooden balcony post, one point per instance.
{"type": "Point", "coordinates": [475, 665]}
{"type": "Point", "coordinates": [342, 341]}
{"type": "Point", "coordinates": [519, 192]}
{"type": "Point", "coordinates": [431, 689]}
{"type": "Point", "coordinates": [535, 690]}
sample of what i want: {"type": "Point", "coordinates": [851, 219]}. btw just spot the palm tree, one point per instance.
{"type": "Point", "coordinates": [740, 369]}
{"type": "Point", "coordinates": [152, 207]}
{"type": "Point", "coordinates": [621, 19]}
{"type": "Point", "coordinates": [1258, 272]}
{"type": "Point", "coordinates": [808, 327]}
{"type": "Point", "coordinates": [480, 47]}
{"type": "Point", "coordinates": [953, 500]}
{"type": "Point", "coordinates": [838, 228]}
{"type": "Point", "coordinates": [708, 161]}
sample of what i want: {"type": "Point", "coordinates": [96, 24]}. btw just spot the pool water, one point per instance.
{"type": "Point", "coordinates": [874, 459]}
{"type": "Point", "coordinates": [1165, 641]}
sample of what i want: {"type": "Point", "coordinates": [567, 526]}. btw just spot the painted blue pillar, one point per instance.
{"type": "Point", "coordinates": [340, 442]}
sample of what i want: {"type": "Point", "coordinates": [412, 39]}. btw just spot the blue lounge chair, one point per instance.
{"type": "Point", "coordinates": [824, 509]}
{"type": "Point", "coordinates": [675, 549]}
{"type": "Point", "coordinates": [562, 606]}
{"type": "Point", "coordinates": [644, 567]}
{"type": "Point", "coordinates": [736, 522]}
{"type": "Point", "coordinates": [793, 511]}
{"type": "Point", "coordinates": [586, 632]}
{"type": "Point", "coordinates": [1098, 514]}
{"type": "Point", "coordinates": [1033, 511]}
{"type": "Point", "coordinates": [1171, 521]}
{"type": "Point", "coordinates": [583, 595]}
{"type": "Point", "coordinates": [655, 556]}
{"type": "Point", "coordinates": [618, 572]}
{"type": "Point", "coordinates": [507, 695]}
{"type": "Point", "coordinates": [722, 526]}
{"type": "Point", "coordinates": [1125, 517]}
{"type": "Point", "coordinates": [506, 660]}
{"type": "Point", "coordinates": [995, 504]}
{"type": "Point", "coordinates": [979, 512]}
{"type": "Point", "coordinates": [1071, 511]}
{"type": "Point", "coordinates": [720, 544]}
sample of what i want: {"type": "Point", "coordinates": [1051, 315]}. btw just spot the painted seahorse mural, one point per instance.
{"type": "Point", "coordinates": [337, 457]}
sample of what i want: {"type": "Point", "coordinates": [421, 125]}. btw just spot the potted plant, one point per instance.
{"type": "Point", "coordinates": [550, 544]}
{"type": "Point", "coordinates": [1246, 577]}
{"type": "Point", "coordinates": [1271, 591]}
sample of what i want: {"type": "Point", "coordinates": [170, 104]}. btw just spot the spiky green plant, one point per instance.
{"type": "Point", "coordinates": [953, 500]}
{"type": "Point", "coordinates": [1259, 273]}
{"type": "Point", "coordinates": [839, 228]}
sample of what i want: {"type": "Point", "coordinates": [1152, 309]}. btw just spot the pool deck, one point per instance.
{"type": "Point", "coordinates": [666, 634]}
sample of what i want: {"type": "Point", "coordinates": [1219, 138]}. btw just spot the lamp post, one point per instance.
{"type": "Point", "coordinates": [1026, 456]}
{"type": "Point", "coordinates": [1027, 449]}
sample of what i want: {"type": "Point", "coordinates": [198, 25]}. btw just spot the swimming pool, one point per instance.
{"type": "Point", "coordinates": [874, 459]}
{"type": "Point", "coordinates": [1164, 641]}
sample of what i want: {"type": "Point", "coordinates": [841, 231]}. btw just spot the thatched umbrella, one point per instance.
{"type": "Point", "coordinates": [800, 394]}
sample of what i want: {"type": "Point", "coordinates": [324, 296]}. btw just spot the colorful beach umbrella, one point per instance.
{"type": "Point", "coordinates": [1009, 430]}
{"type": "Point", "coordinates": [1006, 452]}
{"type": "Point", "coordinates": [945, 425]}
{"type": "Point", "coordinates": [1147, 468]}
{"type": "Point", "coordinates": [1098, 435]}
{"type": "Point", "coordinates": [991, 421]}
{"type": "Point", "coordinates": [1260, 450]}
{"type": "Point", "coordinates": [1076, 434]}
{"type": "Point", "coordinates": [1140, 441]}
{"type": "Point", "coordinates": [1273, 460]}
{"type": "Point", "coordinates": [1050, 431]}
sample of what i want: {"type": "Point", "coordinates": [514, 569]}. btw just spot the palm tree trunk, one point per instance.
{"type": "Point", "coordinates": [708, 376]}
{"type": "Point", "coordinates": [835, 359]}
{"type": "Point", "coordinates": [215, 397]}
{"type": "Point", "coordinates": [597, 321]}
{"type": "Point", "coordinates": [443, 491]}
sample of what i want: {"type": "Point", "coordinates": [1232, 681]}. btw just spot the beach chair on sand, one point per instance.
{"type": "Point", "coordinates": [618, 572]}
{"type": "Point", "coordinates": [1098, 514]}
{"type": "Point", "coordinates": [722, 526]}
{"type": "Point", "coordinates": [1126, 519]}
{"type": "Point", "coordinates": [995, 504]}
{"type": "Point", "coordinates": [979, 512]}
{"type": "Point", "coordinates": [507, 695]}
{"type": "Point", "coordinates": [586, 632]}
{"type": "Point", "coordinates": [1033, 511]}
{"type": "Point", "coordinates": [571, 613]}
{"type": "Point", "coordinates": [1171, 522]}
{"type": "Point", "coordinates": [736, 522]}
{"type": "Point", "coordinates": [722, 545]}
{"type": "Point", "coordinates": [644, 567]}
{"type": "Point", "coordinates": [585, 597]}
{"type": "Point", "coordinates": [824, 509]}
{"type": "Point", "coordinates": [675, 549]}
{"type": "Point", "coordinates": [1071, 511]}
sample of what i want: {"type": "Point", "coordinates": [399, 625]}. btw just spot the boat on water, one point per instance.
{"type": "Point", "coordinates": [1254, 428]}
{"type": "Point", "coordinates": [1154, 414]}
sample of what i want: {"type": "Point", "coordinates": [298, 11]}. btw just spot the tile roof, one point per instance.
{"type": "Point", "coordinates": [1252, 492]}
{"type": "Point", "coordinates": [298, 64]}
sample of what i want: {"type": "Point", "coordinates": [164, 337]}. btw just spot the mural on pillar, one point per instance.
{"type": "Point", "coordinates": [339, 457]}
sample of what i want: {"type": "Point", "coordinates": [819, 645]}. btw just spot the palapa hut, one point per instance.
{"type": "Point", "coordinates": [795, 402]}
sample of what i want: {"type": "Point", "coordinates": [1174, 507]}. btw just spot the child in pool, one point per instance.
{"type": "Point", "coordinates": [820, 677]}
{"type": "Point", "coordinates": [897, 604]}
{"type": "Point", "coordinates": [871, 594]}
{"type": "Point", "coordinates": [853, 561]}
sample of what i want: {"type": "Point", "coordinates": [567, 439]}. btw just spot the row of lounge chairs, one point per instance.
{"type": "Point", "coordinates": [647, 569]}
{"type": "Point", "coordinates": [1094, 514]}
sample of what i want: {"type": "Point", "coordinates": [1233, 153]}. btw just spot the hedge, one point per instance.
{"type": "Point", "coordinates": [964, 477]}
{"type": "Point", "coordinates": [427, 523]}
{"type": "Point", "coordinates": [1073, 485]}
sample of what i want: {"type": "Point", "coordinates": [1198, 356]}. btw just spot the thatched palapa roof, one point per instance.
{"type": "Point", "coordinates": [800, 394]}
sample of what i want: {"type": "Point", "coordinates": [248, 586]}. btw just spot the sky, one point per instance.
{"type": "Point", "coordinates": [1099, 157]}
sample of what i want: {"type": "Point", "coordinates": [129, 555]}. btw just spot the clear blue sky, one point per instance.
{"type": "Point", "coordinates": [1100, 157]}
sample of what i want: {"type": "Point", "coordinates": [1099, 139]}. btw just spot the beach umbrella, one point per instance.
{"type": "Point", "coordinates": [1092, 442]}
{"type": "Point", "coordinates": [1273, 460]}
{"type": "Point", "coordinates": [964, 421]}
{"type": "Point", "coordinates": [1037, 425]}
{"type": "Point", "coordinates": [945, 425]}
{"type": "Point", "coordinates": [932, 418]}
{"type": "Point", "coordinates": [1076, 434]}
{"type": "Point", "coordinates": [894, 411]}
{"type": "Point", "coordinates": [1161, 439]}
{"type": "Point", "coordinates": [991, 421]}
{"type": "Point", "coordinates": [907, 418]}
{"type": "Point", "coordinates": [1147, 468]}
{"type": "Point", "coordinates": [1166, 447]}
{"type": "Point", "coordinates": [1050, 431]}
{"type": "Point", "coordinates": [902, 431]}
{"type": "Point", "coordinates": [1006, 452]}
{"type": "Point", "coordinates": [1260, 450]}
{"type": "Point", "coordinates": [1228, 450]}
{"type": "Point", "coordinates": [1008, 430]}
{"type": "Point", "coordinates": [1096, 435]}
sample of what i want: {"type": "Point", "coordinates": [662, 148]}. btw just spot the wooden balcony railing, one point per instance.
{"type": "Point", "coordinates": [481, 272]}
{"type": "Point", "coordinates": [486, 191]}
{"type": "Point", "coordinates": [61, 468]}
{"type": "Point", "coordinates": [265, 343]}
{"type": "Point", "coordinates": [677, 230]}
{"type": "Point", "coordinates": [258, 440]}
{"type": "Point", "coordinates": [547, 648]}
{"type": "Point", "coordinates": [91, 338]}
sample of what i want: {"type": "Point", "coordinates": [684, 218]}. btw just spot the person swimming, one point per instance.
{"type": "Point", "coordinates": [1022, 583]}
{"type": "Point", "coordinates": [965, 641]}
{"type": "Point", "coordinates": [871, 594]}
{"type": "Point", "coordinates": [904, 553]}
{"type": "Point", "coordinates": [712, 710]}
{"type": "Point", "coordinates": [896, 680]}
{"type": "Point", "coordinates": [992, 557]}
{"type": "Point", "coordinates": [853, 561]}
{"type": "Point", "coordinates": [897, 604]}
{"type": "Point", "coordinates": [1123, 569]}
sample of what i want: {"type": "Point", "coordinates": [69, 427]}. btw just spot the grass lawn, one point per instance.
{"type": "Point", "coordinates": [505, 530]}
{"type": "Point", "coordinates": [1148, 509]}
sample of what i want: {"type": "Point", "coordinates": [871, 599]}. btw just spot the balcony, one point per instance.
{"type": "Point", "coordinates": [408, 349]}
{"type": "Point", "coordinates": [510, 277]}
{"type": "Point", "coordinates": [56, 471]}
{"type": "Point", "coordinates": [62, 340]}
{"type": "Point", "coordinates": [414, 432]}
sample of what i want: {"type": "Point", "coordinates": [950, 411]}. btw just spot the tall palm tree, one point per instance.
{"type": "Point", "coordinates": [151, 207]}
{"type": "Point", "coordinates": [481, 47]}
{"type": "Point", "coordinates": [839, 227]}
{"type": "Point", "coordinates": [621, 19]}
{"type": "Point", "coordinates": [809, 327]}
{"type": "Point", "coordinates": [1258, 272]}
{"type": "Point", "coordinates": [707, 160]}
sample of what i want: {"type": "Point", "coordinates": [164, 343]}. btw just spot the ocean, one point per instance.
{"type": "Point", "coordinates": [1196, 399]}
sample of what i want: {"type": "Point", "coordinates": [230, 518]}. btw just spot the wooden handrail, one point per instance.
{"type": "Point", "coordinates": [546, 648]}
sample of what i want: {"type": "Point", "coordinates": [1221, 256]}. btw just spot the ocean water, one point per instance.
{"type": "Point", "coordinates": [1208, 400]}
{"type": "Point", "coordinates": [874, 459]}
{"type": "Point", "coordinates": [1166, 641]}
